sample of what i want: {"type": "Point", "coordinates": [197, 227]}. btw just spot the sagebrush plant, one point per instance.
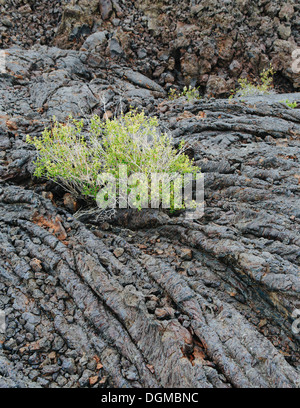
{"type": "Point", "coordinates": [263, 87]}
{"type": "Point", "coordinates": [74, 161]}
{"type": "Point", "coordinates": [190, 93]}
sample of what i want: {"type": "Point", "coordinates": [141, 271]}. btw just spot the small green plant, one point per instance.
{"type": "Point", "coordinates": [75, 161]}
{"type": "Point", "coordinates": [189, 93]}
{"type": "Point", "coordinates": [173, 94]}
{"type": "Point", "coordinates": [247, 88]}
{"type": "Point", "coordinates": [290, 104]}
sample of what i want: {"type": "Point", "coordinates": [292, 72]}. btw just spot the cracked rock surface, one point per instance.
{"type": "Point", "coordinates": [149, 319]}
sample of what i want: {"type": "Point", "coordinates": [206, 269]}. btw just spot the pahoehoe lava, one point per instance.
{"type": "Point", "coordinates": [146, 299]}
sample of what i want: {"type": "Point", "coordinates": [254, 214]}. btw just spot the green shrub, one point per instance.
{"type": "Point", "coordinates": [189, 93]}
{"type": "Point", "coordinates": [290, 104]}
{"type": "Point", "coordinates": [173, 94]}
{"type": "Point", "coordinates": [68, 158]}
{"type": "Point", "coordinates": [247, 88]}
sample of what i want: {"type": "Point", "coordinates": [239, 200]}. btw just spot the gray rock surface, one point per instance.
{"type": "Point", "coordinates": [146, 299]}
{"type": "Point", "coordinates": [210, 43]}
